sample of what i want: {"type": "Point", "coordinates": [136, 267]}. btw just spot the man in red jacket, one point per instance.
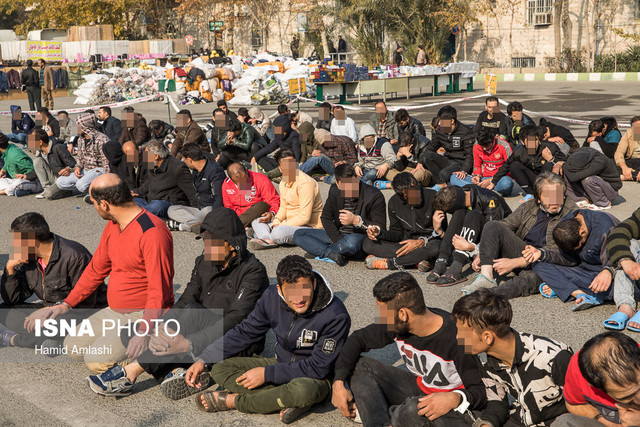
{"type": "Point", "coordinates": [136, 253]}
{"type": "Point", "coordinates": [250, 194]}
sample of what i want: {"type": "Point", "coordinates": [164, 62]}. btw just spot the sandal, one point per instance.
{"type": "Point", "coordinates": [634, 319]}
{"type": "Point", "coordinates": [289, 415]}
{"type": "Point", "coordinates": [588, 301]}
{"type": "Point", "coordinates": [449, 280]}
{"type": "Point", "coordinates": [551, 295]}
{"type": "Point", "coordinates": [215, 403]}
{"type": "Point", "coordinates": [617, 321]}
{"type": "Point", "coordinates": [433, 278]}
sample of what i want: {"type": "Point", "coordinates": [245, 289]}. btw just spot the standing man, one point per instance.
{"type": "Point", "coordinates": [295, 44]}
{"type": "Point", "coordinates": [421, 56]}
{"type": "Point", "coordinates": [136, 253]}
{"type": "Point", "coordinates": [31, 82]}
{"type": "Point", "coordinates": [342, 47]}
{"type": "Point", "coordinates": [109, 125]}
{"type": "Point", "coordinates": [46, 84]}
{"type": "Point", "coordinates": [398, 59]}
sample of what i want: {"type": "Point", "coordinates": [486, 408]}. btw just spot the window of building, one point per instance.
{"type": "Point", "coordinates": [523, 62]}
{"type": "Point", "coordinates": [303, 22]}
{"type": "Point", "coordinates": [539, 12]}
{"type": "Point", "coordinates": [256, 36]}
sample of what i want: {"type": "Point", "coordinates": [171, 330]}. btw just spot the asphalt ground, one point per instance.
{"type": "Point", "coordinates": [54, 393]}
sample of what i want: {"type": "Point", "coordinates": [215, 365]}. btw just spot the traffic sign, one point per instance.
{"type": "Point", "coordinates": [216, 25]}
{"type": "Point", "coordinates": [189, 40]}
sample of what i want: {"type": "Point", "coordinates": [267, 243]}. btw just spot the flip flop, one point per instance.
{"type": "Point", "coordinates": [324, 259]}
{"type": "Point", "coordinates": [634, 319]}
{"type": "Point", "coordinates": [616, 322]}
{"type": "Point", "coordinates": [587, 302]}
{"type": "Point", "coordinates": [552, 295]}
{"type": "Point", "coordinates": [215, 404]}
{"type": "Point", "coordinates": [449, 280]}
{"type": "Point", "coordinates": [582, 203]}
{"type": "Point", "coordinates": [260, 244]}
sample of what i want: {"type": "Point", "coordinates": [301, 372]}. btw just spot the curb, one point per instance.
{"type": "Point", "coordinates": [563, 77]}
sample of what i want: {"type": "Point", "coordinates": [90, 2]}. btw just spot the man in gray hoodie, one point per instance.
{"type": "Point", "coordinates": [375, 155]}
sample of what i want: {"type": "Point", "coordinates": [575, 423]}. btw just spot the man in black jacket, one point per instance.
{"type": "Point", "coordinates": [168, 182]}
{"type": "Point", "coordinates": [415, 231]}
{"type": "Point", "coordinates": [491, 118]}
{"type": "Point", "coordinates": [31, 82]}
{"type": "Point", "coordinates": [456, 139]}
{"type": "Point", "coordinates": [208, 177]}
{"type": "Point", "coordinates": [285, 137]}
{"type": "Point", "coordinates": [52, 160]}
{"type": "Point", "coordinates": [408, 124]}
{"type": "Point", "coordinates": [592, 178]}
{"type": "Point", "coordinates": [559, 135]}
{"type": "Point", "coordinates": [471, 207]}
{"type": "Point", "coordinates": [443, 383]}
{"type": "Point", "coordinates": [46, 121]}
{"type": "Point", "coordinates": [513, 123]}
{"type": "Point", "coordinates": [43, 264]}
{"type": "Point", "coordinates": [409, 158]}
{"type": "Point", "coordinates": [109, 125]}
{"type": "Point", "coordinates": [350, 209]}
{"type": "Point", "coordinates": [226, 283]}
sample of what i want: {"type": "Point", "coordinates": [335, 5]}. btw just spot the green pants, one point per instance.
{"type": "Point", "coordinates": [298, 393]}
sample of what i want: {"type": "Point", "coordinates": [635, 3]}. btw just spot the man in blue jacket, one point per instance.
{"type": "Point", "coordinates": [310, 327]}
{"type": "Point", "coordinates": [21, 125]}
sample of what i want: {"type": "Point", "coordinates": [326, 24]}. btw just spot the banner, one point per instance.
{"type": "Point", "coordinates": [491, 84]}
{"type": "Point", "coordinates": [48, 50]}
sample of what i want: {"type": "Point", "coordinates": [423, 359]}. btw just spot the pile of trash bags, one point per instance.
{"type": "Point", "coordinates": [118, 84]}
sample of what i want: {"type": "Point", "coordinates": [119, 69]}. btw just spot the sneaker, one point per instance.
{"type": "Point", "coordinates": [5, 337]}
{"type": "Point", "coordinates": [337, 258]}
{"type": "Point", "coordinates": [52, 345]}
{"type": "Point", "coordinates": [173, 225]}
{"type": "Point", "coordinates": [426, 266]}
{"type": "Point", "coordinates": [289, 415]}
{"type": "Point", "coordinates": [113, 382]}
{"type": "Point", "coordinates": [481, 281]}
{"type": "Point", "coordinates": [184, 227]}
{"type": "Point", "coordinates": [175, 387]}
{"type": "Point", "coordinates": [250, 233]}
{"type": "Point", "coordinates": [40, 196]}
{"type": "Point", "coordinates": [195, 228]}
{"type": "Point", "coordinates": [373, 262]}
{"type": "Point", "coordinates": [308, 255]}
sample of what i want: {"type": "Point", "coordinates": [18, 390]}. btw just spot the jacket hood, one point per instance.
{"type": "Point", "coordinates": [86, 122]}
{"type": "Point", "coordinates": [366, 130]}
{"type": "Point", "coordinates": [322, 296]}
{"type": "Point", "coordinates": [581, 158]}
{"type": "Point", "coordinates": [320, 135]}
{"type": "Point", "coordinates": [307, 130]}
{"type": "Point", "coordinates": [256, 113]}
{"type": "Point", "coordinates": [113, 152]}
{"type": "Point", "coordinates": [223, 223]}
{"type": "Point", "coordinates": [14, 108]}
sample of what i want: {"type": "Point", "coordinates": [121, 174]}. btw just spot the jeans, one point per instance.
{"type": "Point", "coordinates": [318, 243]}
{"type": "Point", "coordinates": [17, 137]}
{"type": "Point", "coordinates": [9, 185]}
{"type": "Point", "coordinates": [503, 187]}
{"type": "Point", "coordinates": [157, 207]}
{"type": "Point", "coordinates": [369, 175]}
{"type": "Point", "coordinates": [82, 184]}
{"type": "Point", "coordinates": [319, 161]}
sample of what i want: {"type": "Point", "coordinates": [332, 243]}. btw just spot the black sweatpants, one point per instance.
{"type": "Point", "coordinates": [386, 249]}
{"type": "Point", "coordinates": [526, 283]}
{"type": "Point", "coordinates": [634, 164]}
{"type": "Point", "coordinates": [465, 223]}
{"type": "Point", "coordinates": [441, 167]}
{"type": "Point", "coordinates": [498, 241]}
{"type": "Point", "coordinates": [524, 176]}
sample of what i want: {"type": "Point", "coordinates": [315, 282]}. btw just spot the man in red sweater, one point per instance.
{"type": "Point", "coordinates": [136, 253]}
{"type": "Point", "coordinates": [250, 194]}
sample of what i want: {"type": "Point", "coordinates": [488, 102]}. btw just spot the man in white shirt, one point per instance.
{"type": "Point", "coordinates": [343, 125]}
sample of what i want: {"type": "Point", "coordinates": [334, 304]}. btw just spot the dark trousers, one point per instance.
{"type": "Point", "coordinates": [566, 280]}
{"type": "Point", "coordinates": [594, 188]}
{"type": "Point", "coordinates": [34, 95]}
{"type": "Point", "coordinates": [465, 223]}
{"type": "Point", "coordinates": [498, 241]}
{"type": "Point", "coordinates": [385, 249]}
{"type": "Point", "coordinates": [385, 396]}
{"type": "Point", "coordinates": [634, 164]}
{"type": "Point", "coordinates": [254, 212]}
{"type": "Point", "coordinates": [440, 167]}
{"type": "Point", "coordinates": [526, 283]}
{"type": "Point", "coordinates": [524, 176]}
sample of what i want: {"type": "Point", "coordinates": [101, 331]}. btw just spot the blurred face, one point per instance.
{"type": "Point", "coordinates": [517, 117]}
{"type": "Point", "coordinates": [132, 155]}
{"type": "Point", "coordinates": [552, 198]}
{"type": "Point", "coordinates": [34, 144]}
{"type": "Point", "coordinates": [22, 246]}
{"type": "Point", "coordinates": [220, 120]}
{"type": "Point", "coordinates": [149, 159]}
{"type": "Point", "coordinates": [63, 119]}
{"type": "Point", "coordinates": [636, 131]}
{"type": "Point", "coordinates": [102, 114]}
{"type": "Point", "coordinates": [39, 119]}
{"type": "Point", "coordinates": [182, 121]}
{"type": "Point", "coordinates": [324, 113]}
{"type": "Point", "coordinates": [17, 115]}
{"type": "Point", "coordinates": [127, 118]}
{"type": "Point", "coordinates": [349, 188]}
{"type": "Point", "coordinates": [298, 295]}
{"type": "Point", "coordinates": [288, 167]}
{"type": "Point", "coordinates": [470, 339]}
{"type": "Point", "coordinates": [381, 109]}
{"type": "Point", "coordinates": [238, 175]}
{"type": "Point", "coordinates": [369, 140]}
{"type": "Point", "coordinates": [339, 115]}
{"type": "Point", "coordinates": [217, 251]}
{"type": "Point", "coordinates": [493, 107]}
{"type": "Point", "coordinates": [413, 196]}
{"type": "Point", "coordinates": [278, 130]}
{"type": "Point", "coordinates": [532, 145]}
{"type": "Point", "coordinates": [394, 321]}
{"type": "Point", "coordinates": [445, 125]}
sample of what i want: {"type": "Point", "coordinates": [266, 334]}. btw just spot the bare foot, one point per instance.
{"type": "Point", "coordinates": [230, 401]}
{"type": "Point", "coordinates": [546, 289]}
{"type": "Point", "coordinates": [624, 308]}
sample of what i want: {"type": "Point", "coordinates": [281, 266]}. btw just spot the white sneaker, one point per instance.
{"type": "Point", "coordinates": [40, 196]}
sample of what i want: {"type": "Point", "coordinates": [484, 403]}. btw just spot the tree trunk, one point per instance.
{"type": "Point", "coordinates": [325, 41]}
{"type": "Point", "coordinates": [464, 41]}
{"type": "Point", "coordinates": [557, 33]}
{"type": "Point", "coordinates": [588, 35]}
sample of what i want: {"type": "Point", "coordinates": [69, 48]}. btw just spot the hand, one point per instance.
{"type": "Point", "coordinates": [393, 142]}
{"type": "Point", "coordinates": [557, 168]}
{"type": "Point", "coordinates": [3, 173]}
{"type": "Point", "coordinates": [437, 220]}
{"type": "Point", "coordinates": [382, 170]}
{"type": "Point", "coordinates": [348, 218]}
{"type": "Point", "coordinates": [462, 244]}
{"type": "Point", "coordinates": [476, 179]}
{"type": "Point", "coordinates": [252, 378]}
{"type": "Point", "coordinates": [409, 246]}
{"type": "Point", "coordinates": [253, 161]}
{"type": "Point", "coordinates": [556, 139]}
{"type": "Point", "coordinates": [504, 266]}
{"type": "Point", "coordinates": [436, 405]}
{"type": "Point", "coordinates": [266, 218]}
{"type": "Point", "coordinates": [48, 130]}
{"type": "Point", "coordinates": [316, 153]}
{"type": "Point", "coordinates": [162, 344]}
{"type": "Point", "coordinates": [631, 269]}
{"type": "Point", "coordinates": [231, 138]}
{"type": "Point", "coordinates": [405, 151]}
{"type": "Point", "coordinates": [460, 175]}
{"type": "Point", "coordinates": [358, 171]}
{"type": "Point", "coordinates": [137, 346]}
{"type": "Point", "coordinates": [11, 265]}
{"type": "Point", "coordinates": [546, 154]}
{"type": "Point", "coordinates": [217, 158]}
{"type": "Point", "coordinates": [43, 314]}
{"type": "Point", "coordinates": [531, 254]}
{"type": "Point", "coordinates": [342, 399]}
{"type": "Point", "coordinates": [65, 172]}
{"type": "Point", "coordinates": [441, 150]}
{"type": "Point", "coordinates": [77, 172]}
{"type": "Point", "coordinates": [373, 231]}
{"type": "Point", "coordinates": [419, 167]}
{"type": "Point", "coordinates": [193, 373]}
{"type": "Point", "coordinates": [486, 183]}
{"type": "Point", "coordinates": [627, 173]}
{"type": "Point", "coordinates": [602, 282]}
{"type": "Point", "coordinates": [19, 176]}
{"type": "Point", "coordinates": [476, 263]}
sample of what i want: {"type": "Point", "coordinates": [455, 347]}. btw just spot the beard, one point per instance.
{"type": "Point", "coordinates": [402, 327]}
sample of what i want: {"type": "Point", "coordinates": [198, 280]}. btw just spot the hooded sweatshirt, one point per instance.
{"type": "Point", "coordinates": [22, 125]}
{"type": "Point", "coordinates": [307, 345]}
{"type": "Point", "coordinates": [90, 148]}
{"type": "Point", "coordinates": [381, 151]}
{"type": "Point", "coordinates": [586, 162]}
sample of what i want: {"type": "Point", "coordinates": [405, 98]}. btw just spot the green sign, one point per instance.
{"type": "Point", "coordinates": [216, 25]}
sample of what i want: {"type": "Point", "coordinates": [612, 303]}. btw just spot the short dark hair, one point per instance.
{"type": "Point", "coordinates": [325, 104]}
{"type": "Point", "coordinates": [406, 139]}
{"type": "Point", "coordinates": [566, 235]}
{"type": "Point", "coordinates": [106, 109]}
{"type": "Point", "coordinates": [338, 107]}
{"type": "Point", "coordinates": [156, 125]}
{"type": "Point", "coordinates": [63, 112]}
{"type": "Point", "coordinates": [242, 111]}
{"type": "Point", "coordinates": [400, 290]}
{"type": "Point", "coordinates": [285, 153]}
{"type": "Point", "coordinates": [445, 199]}
{"type": "Point", "coordinates": [514, 106]}
{"type": "Point", "coordinates": [130, 109]}
{"type": "Point", "coordinates": [29, 62]}
{"type": "Point", "coordinates": [282, 108]}
{"type": "Point", "coordinates": [491, 98]}
{"type": "Point", "coordinates": [221, 103]}
{"type": "Point", "coordinates": [291, 268]}
{"type": "Point", "coordinates": [235, 125]}
{"type": "Point", "coordinates": [43, 60]}
{"type": "Point", "coordinates": [381, 102]}
{"type": "Point", "coordinates": [43, 110]}
{"type": "Point", "coordinates": [116, 195]}
{"type": "Point", "coordinates": [596, 126]}
{"type": "Point", "coordinates": [344, 171]}
{"type": "Point", "coordinates": [448, 113]}
{"type": "Point", "coordinates": [32, 223]}
{"type": "Point", "coordinates": [401, 115]}
{"type": "Point", "coordinates": [192, 151]}
{"type": "Point", "coordinates": [184, 113]}
{"type": "Point", "coordinates": [403, 181]}
{"type": "Point", "coordinates": [486, 137]}
{"type": "Point", "coordinates": [485, 310]}
{"type": "Point", "coordinates": [4, 141]}
{"type": "Point", "coordinates": [217, 110]}
{"type": "Point", "coordinates": [530, 131]}
{"type": "Point", "coordinates": [41, 135]}
{"type": "Point", "coordinates": [634, 119]}
{"type": "Point", "coordinates": [610, 357]}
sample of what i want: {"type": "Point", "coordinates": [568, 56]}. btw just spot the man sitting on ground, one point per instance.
{"type": "Point", "coordinates": [225, 286]}
{"type": "Point", "coordinates": [240, 143]}
{"type": "Point", "coordinates": [415, 230]}
{"type": "Point", "coordinates": [384, 123]}
{"type": "Point", "coordinates": [442, 385]}
{"type": "Point", "coordinates": [513, 123]}
{"type": "Point", "coordinates": [188, 130]}
{"type": "Point", "coordinates": [44, 264]}
{"type": "Point", "coordinates": [162, 131]}
{"type": "Point", "coordinates": [108, 124]}
{"type": "Point", "coordinates": [52, 161]}
{"type": "Point", "coordinates": [375, 157]}
{"type": "Point", "coordinates": [250, 194]}
{"type": "Point", "coordinates": [490, 119]}
{"type": "Point", "coordinates": [627, 156]}
{"type": "Point", "coordinates": [44, 120]}
{"type": "Point", "coordinates": [310, 325]}
{"type": "Point", "coordinates": [410, 158]}
{"type": "Point", "coordinates": [21, 125]}
{"type": "Point", "coordinates": [17, 176]}
{"type": "Point", "coordinates": [207, 177]}
{"type": "Point", "coordinates": [343, 125]}
{"type": "Point", "coordinates": [331, 152]}
{"type": "Point", "coordinates": [351, 207]}
{"type": "Point", "coordinates": [519, 367]}
{"type": "Point", "coordinates": [285, 138]}
{"type": "Point", "coordinates": [408, 124]}
{"type": "Point", "coordinates": [300, 206]}
{"type": "Point", "coordinates": [559, 135]}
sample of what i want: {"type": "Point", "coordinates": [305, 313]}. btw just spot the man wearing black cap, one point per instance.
{"type": "Point", "coordinates": [227, 280]}
{"type": "Point", "coordinates": [31, 82]}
